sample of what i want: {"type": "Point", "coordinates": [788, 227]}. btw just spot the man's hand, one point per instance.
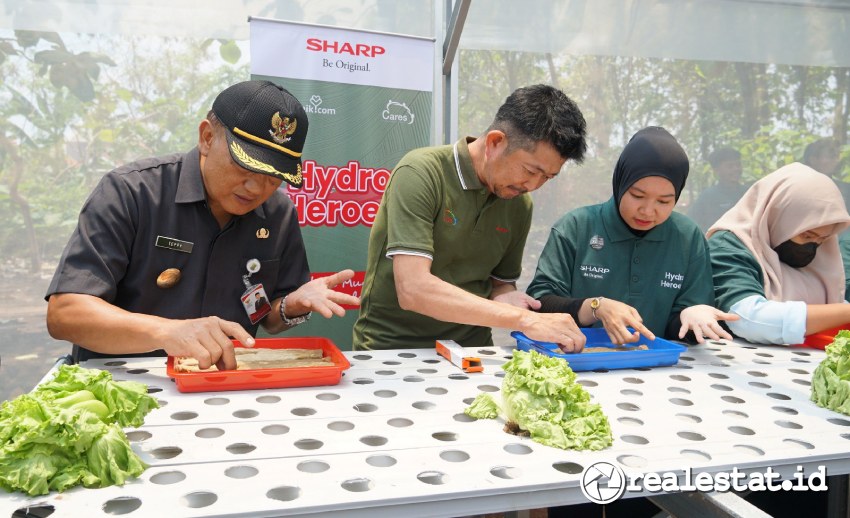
{"type": "Point", "coordinates": [205, 339]}
{"type": "Point", "coordinates": [559, 328]}
{"type": "Point", "coordinates": [519, 299]}
{"type": "Point", "coordinates": [616, 316]}
{"type": "Point", "coordinates": [318, 295]}
{"type": "Point", "coordinates": [703, 321]}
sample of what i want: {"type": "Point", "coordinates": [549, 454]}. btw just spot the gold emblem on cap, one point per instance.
{"type": "Point", "coordinates": [283, 128]}
{"type": "Point", "coordinates": [168, 278]}
{"type": "Point", "coordinates": [255, 164]}
{"type": "Point", "coordinates": [262, 233]}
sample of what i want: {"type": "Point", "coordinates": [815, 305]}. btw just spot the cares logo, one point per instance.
{"type": "Point", "coordinates": [344, 47]}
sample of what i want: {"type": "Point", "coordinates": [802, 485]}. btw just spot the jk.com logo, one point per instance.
{"type": "Point", "coordinates": [603, 482]}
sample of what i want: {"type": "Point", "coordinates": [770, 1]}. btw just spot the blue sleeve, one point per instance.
{"type": "Point", "coordinates": [769, 322]}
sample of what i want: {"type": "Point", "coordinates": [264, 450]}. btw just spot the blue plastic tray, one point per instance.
{"type": "Point", "coordinates": [660, 353]}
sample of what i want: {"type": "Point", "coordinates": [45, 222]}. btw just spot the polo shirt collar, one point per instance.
{"type": "Point", "coordinates": [190, 185]}
{"type": "Point", "coordinates": [463, 166]}
{"type": "Point", "coordinates": [619, 231]}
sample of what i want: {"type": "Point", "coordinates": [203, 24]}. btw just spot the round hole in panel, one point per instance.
{"type": "Point", "coordinates": [136, 371]}
{"type": "Point", "coordinates": [168, 477]}
{"type": "Point", "coordinates": [406, 355]}
{"type": "Point", "coordinates": [719, 386]}
{"type": "Point", "coordinates": [363, 381]}
{"type": "Point", "coordinates": [689, 418]}
{"type": "Point", "coordinates": [120, 505]}
{"type": "Point", "coordinates": [798, 371]}
{"type": "Point", "coordinates": [801, 353]}
{"type": "Point", "coordinates": [435, 478]}
{"type": "Point", "coordinates": [801, 444]}
{"type": "Point", "coordinates": [115, 363]}
{"type": "Point", "coordinates": [719, 364]}
{"type": "Point", "coordinates": [633, 421]}
{"type": "Point", "coordinates": [423, 405]}
{"type": "Point", "coordinates": [630, 407]}
{"type": "Point", "coordinates": [162, 402]}
{"type": "Point", "coordinates": [601, 371]}
{"type": "Point", "coordinates": [153, 390]}
{"type": "Point", "coordinates": [799, 360]}
{"type": "Point", "coordinates": [785, 410]}
{"type": "Point", "coordinates": [570, 468]}
{"type": "Point", "coordinates": [241, 472]}
{"type": "Point", "coordinates": [381, 461]}
{"type": "Point", "coordinates": [426, 371]}
{"type": "Point", "coordinates": [838, 421]}
{"type": "Point", "coordinates": [633, 381]}
{"type": "Point", "coordinates": [437, 391]}
{"type": "Point", "coordinates": [695, 455]}
{"type": "Point", "coordinates": [587, 383]}
{"type": "Point", "coordinates": [138, 436]}
{"type": "Point", "coordinates": [166, 452]}
{"type": "Point", "coordinates": [643, 369]}
{"type": "Point", "coordinates": [741, 430]}
{"type": "Point", "coordinates": [456, 376]}
{"type": "Point", "coordinates": [240, 448]}
{"type": "Point", "coordinates": [764, 354]}
{"type": "Point", "coordinates": [759, 384]}
{"type": "Point", "coordinates": [385, 393]}
{"type": "Point", "coordinates": [805, 383]}
{"type": "Point", "coordinates": [634, 439]}
{"type": "Point", "coordinates": [327, 396]}
{"type": "Point", "coordinates": [313, 466]}
{"type": "Point", "coordinates": [749, 450]}
{"type": "Point", "coordinates": [631, 392]}
{"type": "Point", "coordinates": [340, 426]}
{"type": "Point", "coordinates": [431, 361]}
{"type": "Point", "coordinates": [386, 372]}
{"type": "Point", "coordinates": [488, 388]}
{"type": "Point", "coordinates": [463, 418]}
{"type": "Point", "coordinates": [501, 374]}
{"type": "Point", "coordinates": [357, 485]}
{"type": "Point", "coordinates": [517, 449]}
{"type": "Point", "coordinates": [399, 422]}
{"type": "Point", "coordinates": [715, 349]}
{"type": "Point", "coordinates": [683, 366]}
{"type": "Point", "coordinates": [392, 362]}
{"type": "Point", "coordinates": [468, 401]}
{"type": "Point", "coordinates": [759, 361]}
{"type": "Point", "coordinates": [209, 433]}
{"type": "Point", "coordinates": [246, 413]}
{"type": "Point", "coordinates": [716, 342]}
{"type": "Point", "coordinates": [506, 472]}
{"type": "Point", "coordinates": [216, 401]}
{"type": "Point", "coordinates": [413, 379]}
{"type": "Point", "coordinates": [303, 411]}
{"type": "Point", "coordinates": [632, 461]}
{"type": "Point", "coordinates": [198, 499]}
{"type": "Point", "coordinates": [268, 400]}
{"type": "Point", "coordinates": [184, 416]}
{"type": "Point", "coordinates": [454, 456]}
{"type": "Point", "coordinates": [275, 429]}
{"type": "Point", "coordinates": [687, 358]}
{"type": "Point", "coordinates": [444, 436]}
{"type": "Point", "coordinates": [691, 436]}
{"type": "Point", "coordinates": [284, 493]}
{"type": "Point", "coordinates": [726, 356]}
{"type": "Point", "coordinates": [373, 440]}
{"type": "Point", "coordinates": [487, 352]}
{"type": "Point", "coordinates": [718, 375]}
{"type": "Point", "coordinates": [308, 444]}
{"type": "Point", "coordinates": [791, 425]}
{"type": "Point", "coordinates": [757, 374]}
{"type": "Point", "coordinates": [35, 511]}
{"type": "Point", "coordinates": [778, 395]}
{"type": "Point", "coordinates": [365, 407]}
{"type": "Point", "coordinates": [362, 357]}
{"type": "Point", "coordinates": [681, 401]}
{"type": "Point", "coordinates": [732, 399]}
{"type": "Point", "coordinates": [736, 413]}
{"type": "Point", "coordinates": [680, 377]}
{"type": "Point", "coordinates": [679, 390]}
{"type": "Point", "coordinates": [845, 436]}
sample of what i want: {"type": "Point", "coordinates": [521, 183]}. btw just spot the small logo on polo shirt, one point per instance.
{"type": "Point", "coordinates": [449, 217]}
{"type": "Point", "coordinates": [503, 230]}
{"type": "Point", "coordinates": [597, 242]}
{"type": "Point", "coordinates": [262, 233]}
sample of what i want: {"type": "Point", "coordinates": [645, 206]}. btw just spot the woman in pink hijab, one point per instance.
{"type": "Point", "coordinates": [775, 257]}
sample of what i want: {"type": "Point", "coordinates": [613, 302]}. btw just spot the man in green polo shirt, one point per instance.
{"type": "Point", "coordinates": [446, 247]}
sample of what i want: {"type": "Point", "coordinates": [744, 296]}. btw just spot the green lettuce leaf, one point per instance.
{"type": "Point", "coordinates": [831, 379]}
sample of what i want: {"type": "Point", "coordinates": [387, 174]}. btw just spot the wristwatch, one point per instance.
{"type": "Point", "coordinates": [594, 305]}
{"type": "Point", "coordinates": [294, 321]}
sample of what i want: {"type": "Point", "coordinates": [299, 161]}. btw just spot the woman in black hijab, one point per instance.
{"type": "Point", "coordinates": [632, 261]}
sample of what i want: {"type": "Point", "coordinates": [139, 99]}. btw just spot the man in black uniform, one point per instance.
{"type": "Point", "coordinates": [167, 248]}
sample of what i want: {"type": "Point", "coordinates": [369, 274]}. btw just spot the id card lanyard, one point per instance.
{"type": "Point", "coordinates": [254, 299]}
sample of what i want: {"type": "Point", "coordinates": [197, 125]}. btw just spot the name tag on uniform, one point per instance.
{"type": "Point", "coordinates": [174, 244]}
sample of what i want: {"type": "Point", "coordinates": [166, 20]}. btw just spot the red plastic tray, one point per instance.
{"type": "Point", "coordinates": [267, 378]}
{"type": "Point", "coordinates": [824, 338]}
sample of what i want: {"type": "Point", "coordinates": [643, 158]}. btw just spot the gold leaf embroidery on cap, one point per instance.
{"type": "Point", "coordinates": [262, 233]}
{"type": "Point", "coordinates": [283, 128]}
{"type": "Point", "coordinates": [255, 164]}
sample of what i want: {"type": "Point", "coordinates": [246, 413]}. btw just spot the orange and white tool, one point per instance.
{"type": "Point", "coordinates": [452, 351]}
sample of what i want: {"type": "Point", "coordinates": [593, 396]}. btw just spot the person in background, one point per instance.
{"type": "Point", "coordinates": [167, 248]}
{"type": "Point", "coordinates": [776, 260]}
{"type": "Point", "coordinates": [720, 197]}
{"type": "Point", "coordinates": [632, 262]}
{"type": "Point", "coordinates": [824, 155]}
{"type": "Point", "coordinates": [446, 247]}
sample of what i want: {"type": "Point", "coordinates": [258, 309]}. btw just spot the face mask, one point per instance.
{"type": "Point", "coordinates": [796, 255]}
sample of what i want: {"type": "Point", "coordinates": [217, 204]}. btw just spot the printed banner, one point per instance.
{"type": "Point", "coordinates": [368, 97]}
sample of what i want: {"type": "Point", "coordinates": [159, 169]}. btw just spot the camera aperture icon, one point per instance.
{"type": "Point", "coordinates": [603, 482]}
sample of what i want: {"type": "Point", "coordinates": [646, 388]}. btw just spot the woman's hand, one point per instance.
{"type": "Point", "coordinates": [703, 320]}
{"type": "Point", "coordinates": [616, 317]}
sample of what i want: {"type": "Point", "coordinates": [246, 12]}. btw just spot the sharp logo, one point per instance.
{"type": "Point", "coordinates": [344, 47]}
{"type": "Point", "coordinates": [315, 106]}
{"type": "Point", "coordinates": [397, 112]}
